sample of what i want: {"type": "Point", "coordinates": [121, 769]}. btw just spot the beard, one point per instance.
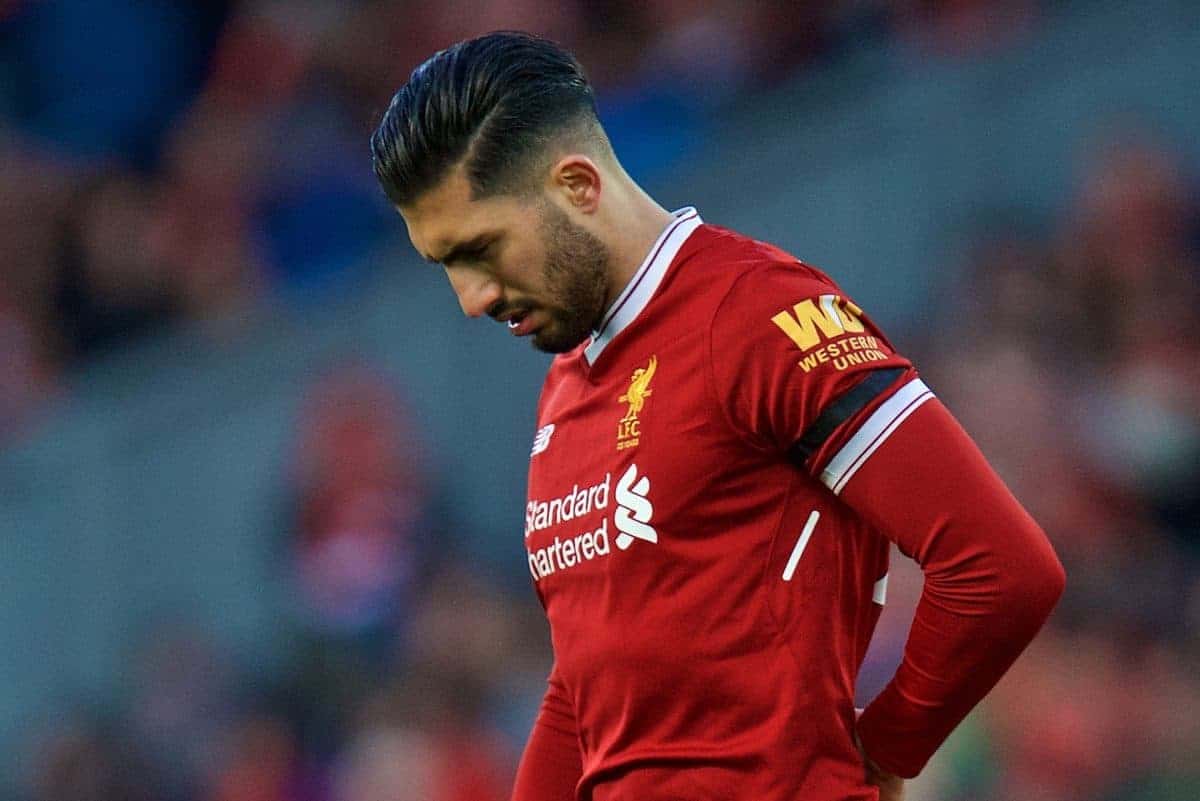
{"type": "Point", "coordinates": [576, 279]}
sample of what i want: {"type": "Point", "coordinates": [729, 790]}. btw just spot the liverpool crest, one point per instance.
{"type": "Point", "coordinates": [629, 427]}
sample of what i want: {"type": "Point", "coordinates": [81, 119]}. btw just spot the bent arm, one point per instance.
{"type": "Point", "coordinates": [991, 580]}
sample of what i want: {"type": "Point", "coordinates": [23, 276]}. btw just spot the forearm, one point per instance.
{"type": "Point", "coordinates": [991, 579]}
{"type": "Point", "coordinates": [551, 766]}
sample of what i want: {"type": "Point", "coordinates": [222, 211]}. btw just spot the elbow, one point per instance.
{"type": "Point", "coordinates": [1039, 581]}
{"type": "Point", "coordinates": [1057, 578]}
{"type": "Point", "coordinates": [1051, 584]}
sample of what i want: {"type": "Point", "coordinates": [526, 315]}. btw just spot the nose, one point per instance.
{"type": "Point", "coordinates": [476, 291]}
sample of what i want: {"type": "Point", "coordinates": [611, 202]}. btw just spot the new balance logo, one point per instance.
{"type": "Point", "coordinates": [541, 440]}
{"type": "Point", "coordinates": [634, 510]}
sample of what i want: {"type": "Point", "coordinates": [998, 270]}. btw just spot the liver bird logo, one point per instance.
{"type": "Point", "coordinates": [639, 389]}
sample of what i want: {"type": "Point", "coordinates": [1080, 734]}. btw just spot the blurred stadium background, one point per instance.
{"type": "Point", "coordinates": [261, 485]}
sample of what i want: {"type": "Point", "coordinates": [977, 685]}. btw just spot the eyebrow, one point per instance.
{"type": "Point", "coordinates": [472, 245]}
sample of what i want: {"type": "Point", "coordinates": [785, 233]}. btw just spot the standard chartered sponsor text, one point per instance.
{"type": "Point", "coordinates": [562, 554]}
{"type": "Point", "coordinates": [576, 503]}
{"type": "Point", "coordinates": [565, 553]}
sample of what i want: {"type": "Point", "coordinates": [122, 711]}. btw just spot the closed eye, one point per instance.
{"type": "Point", "coordinates": [472, 251]}
{"type": "Point", "coordinates": [472, 255]}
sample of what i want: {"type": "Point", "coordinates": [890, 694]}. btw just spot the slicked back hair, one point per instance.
{"type": "Point", "coordinates": [494, 103]}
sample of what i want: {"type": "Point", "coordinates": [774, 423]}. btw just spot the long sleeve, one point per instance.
{"type": "Point", "coordinates": [799, 368]}
{"type": "Point", "coordinates": [991, 579]}
{"type": "Point", "coordinates": [551, 766]}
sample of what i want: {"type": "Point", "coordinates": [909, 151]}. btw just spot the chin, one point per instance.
{"type": "Point", "coordinates": [554, 346]}
{"type": "Point", "coordinates": [549, 340]}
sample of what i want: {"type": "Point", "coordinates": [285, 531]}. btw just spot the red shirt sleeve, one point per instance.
{"type": "Point", "coordinates": [786, 342]}
{"type": "Point", "coordinates": [798, 368]}
{"type": "Point", "coordinates": [991, 580]}
{"type": "Point", "coordinates": [551, 766]}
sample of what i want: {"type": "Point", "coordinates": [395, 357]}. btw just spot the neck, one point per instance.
{"type": "Point", "coordinates": [635, 223]}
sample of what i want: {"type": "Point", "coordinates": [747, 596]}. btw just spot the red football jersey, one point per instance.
{"type": "Point", "coordinates": [711, 593]}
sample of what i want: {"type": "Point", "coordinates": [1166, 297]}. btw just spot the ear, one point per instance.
{"type": "Point", "coordinates": [576, 179]}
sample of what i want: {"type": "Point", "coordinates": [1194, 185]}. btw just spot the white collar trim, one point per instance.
{"type": "Point", "coordinates": [645, 281]}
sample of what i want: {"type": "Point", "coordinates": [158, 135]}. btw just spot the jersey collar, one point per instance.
{"type": "Point", "coordinates": [645, 281]}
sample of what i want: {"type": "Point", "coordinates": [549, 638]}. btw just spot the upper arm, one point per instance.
{"type": "Point", "coordinates": [797, 365]}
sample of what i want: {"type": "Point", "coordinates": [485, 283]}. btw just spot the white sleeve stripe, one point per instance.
{"type": "Point", "coordinates": [873, 433]}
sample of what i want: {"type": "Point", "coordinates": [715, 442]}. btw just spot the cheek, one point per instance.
{"type": "Point", "coordinates": [523, 270]}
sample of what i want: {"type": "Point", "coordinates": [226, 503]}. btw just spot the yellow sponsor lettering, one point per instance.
{"type": "Point", "coordinates": [810, 321]}
{"type": "Point", "coordinates": [858, 357]}
{"type": "Point", "coordinates": [850, 316]}
{"type": "Point", "coordinates": [805, 319]}
{"type": "Point", "coordinates": [814, 322]}
{"type": "Point", "coordinates": [845, 354]}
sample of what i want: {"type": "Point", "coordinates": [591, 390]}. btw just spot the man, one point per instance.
{"type": "Point", "coordinates": [725, 447]}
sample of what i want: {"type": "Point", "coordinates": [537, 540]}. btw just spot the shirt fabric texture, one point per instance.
{"type": "Point", "coordinates": [716, 479]}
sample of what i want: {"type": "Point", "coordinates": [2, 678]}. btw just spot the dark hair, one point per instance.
{"type": "Point", "coordinates": [496, 101]}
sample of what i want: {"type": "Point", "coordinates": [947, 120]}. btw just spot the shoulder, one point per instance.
{"type": "Point", "coordinates": [746, 276]}
{"type": "Point", "coordinates": [776, 307]}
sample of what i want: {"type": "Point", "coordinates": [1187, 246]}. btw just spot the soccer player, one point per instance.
{"type": "Point", "coordinates": [725, 447]}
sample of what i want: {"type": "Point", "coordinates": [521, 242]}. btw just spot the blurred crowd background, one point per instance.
{"type": "Point", "coordinates": [260, 487]}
